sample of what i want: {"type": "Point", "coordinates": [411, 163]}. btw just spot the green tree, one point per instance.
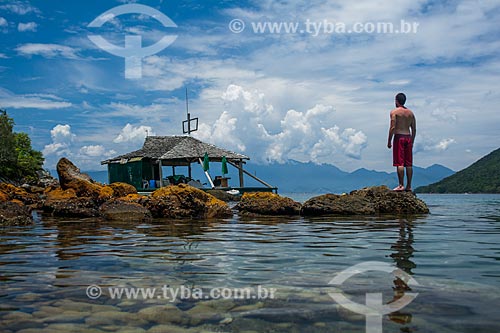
{"type": "Point", "coordinates": [8, 156]}
{"type": "Point", "coordinates": [29, 161]}
{"type": "Point", "coordinates": [18, 160]}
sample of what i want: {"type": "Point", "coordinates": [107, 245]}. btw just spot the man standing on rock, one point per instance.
{"type": "Point", "coordinates": [404, 129]}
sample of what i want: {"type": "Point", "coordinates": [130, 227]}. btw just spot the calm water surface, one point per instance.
{"type": "Point", "coordinates": [453, 254]}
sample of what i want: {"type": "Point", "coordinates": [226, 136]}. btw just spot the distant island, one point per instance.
{"type": "Point", "coordinates": [481, 177]}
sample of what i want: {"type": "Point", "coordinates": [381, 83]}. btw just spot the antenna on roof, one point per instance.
{"type": "Point", "coordinates": [187, 123]}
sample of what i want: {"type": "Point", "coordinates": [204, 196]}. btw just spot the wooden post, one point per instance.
{"type": "Point", "coordinates": [249, 174]}
{"type": "Point", "coordinates": [160, 173]}
{"type": "Point", "coordinates": [240, 169]}
{"type": "Point", "coordinates": [189, 170]}
{"type": "Point", "coordinates": [173, 170]}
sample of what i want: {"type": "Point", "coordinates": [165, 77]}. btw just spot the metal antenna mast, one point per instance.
{"type": "Point", "coordinates": [189, 120]}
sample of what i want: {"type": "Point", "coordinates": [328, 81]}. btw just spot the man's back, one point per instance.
{"type": "Point", "coordinates": [404, 120]}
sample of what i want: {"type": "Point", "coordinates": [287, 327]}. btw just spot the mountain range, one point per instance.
{"type": "Point", "coordinates": [298, 177]}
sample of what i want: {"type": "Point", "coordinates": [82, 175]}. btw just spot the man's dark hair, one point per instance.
{"type": "Point", "coordinates": [401, 98]}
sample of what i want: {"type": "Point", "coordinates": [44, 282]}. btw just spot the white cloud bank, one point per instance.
{"type": "Point", "coordinates": [424, 143]}
{"type": "Point", "coordinates": [35, 101]}
{"type": "Point", "coordinates": [135, 134]}
{"type": "Point", "coordinates": [47, 50]}
{"type": "Point", "coordinates": [30, 26]}
{"type": "Point", "coordinates": [304, 136]}
{"type": "Point", "coordinates": [62, 138]}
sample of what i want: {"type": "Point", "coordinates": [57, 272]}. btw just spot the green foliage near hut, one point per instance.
{"type": "Point", "coordinates": [18, 160]}
{"type": "Point", "coordinates": [481, 177]}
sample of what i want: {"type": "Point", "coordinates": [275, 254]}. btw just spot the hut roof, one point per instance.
{"type": "Point", "coordinates": [177, 148]}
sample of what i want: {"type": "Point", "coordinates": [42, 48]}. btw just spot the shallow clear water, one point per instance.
{"type": "Point", "coordinates": [453, 254]}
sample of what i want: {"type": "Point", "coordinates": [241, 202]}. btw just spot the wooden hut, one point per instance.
{"type": "Point", "coordinates": [143, 168]}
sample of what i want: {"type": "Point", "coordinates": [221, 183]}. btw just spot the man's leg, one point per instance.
{"type": "Point", "coordinates": [409, 175]}
{"type": "Point", "coordinates": [401, 175]}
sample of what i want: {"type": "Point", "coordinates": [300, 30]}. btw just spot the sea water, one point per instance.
{"type": "Point", "coordinates": [59, 275]}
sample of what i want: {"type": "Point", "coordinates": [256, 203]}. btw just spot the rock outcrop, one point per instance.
{"type": "Point", "coordinates": [14, 213]}
{"type": "Point", "coordinates": [121, 210]}
{"type": "Point", "coordinates": [367, 201]}
{"type": "Point", "coordinates": [267, 203]}
{"type": "Point", "coordinates": [16, 205]}
{"type": "Point", "coordinates": [10, 192]}
{"type": "Point", "coordinates": [71, 207]}
{"type": "Point", "coordinates": [70, 177]}
{"type": "Point", "coordinates": [184, 201]}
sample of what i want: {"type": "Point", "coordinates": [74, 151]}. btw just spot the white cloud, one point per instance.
{"type": "Point", "coordinates": [303, 136]}
{"type": "Point", "coordinates": [3, 22]}
{"type": "Point", "coordinates": [93, 150]}
{"type": "Point", "coordinates": [47, 50]}
{"type": "Point", "coordinates": [425, 143]}
{"type": "Point", "coordinates": [20, 8]}
{"type": "Point", "coordinates": [62, 133]}
{"type": "Point", "coordinates": [3, 56]}
{"type": "Point", "coordinates": [35, 101]}
{"type": "Point", "coordinates": [135, 134]}
{"type": "Point", "coordinates": [444, 144]}
{"type": "Point", "coordinates": [30, 26]}
{"type": "Point", "coordinates": [62, 139]}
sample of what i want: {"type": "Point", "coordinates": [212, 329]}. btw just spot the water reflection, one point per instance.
{"type": "Point", "coordinates": [402, 255]}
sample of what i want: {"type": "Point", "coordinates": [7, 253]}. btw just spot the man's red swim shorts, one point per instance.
{"type": "Point", "coordinates": [402, 150]}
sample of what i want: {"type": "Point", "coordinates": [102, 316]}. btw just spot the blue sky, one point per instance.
{"type": "Point", "coordinates": [320, 97]}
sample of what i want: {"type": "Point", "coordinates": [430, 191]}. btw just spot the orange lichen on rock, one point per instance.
{"type": "Point", "coordinates": [132, 198]}
{"type": "Point", "coordinates": [105, 193]}
{"type": "Point", "coordinates": [14, 192]}
{"type": "Point", "coordinates": [184, 201]}
{"type": "Point", "coordinates": [267, 203]}
{"type": "Point", "coordinates": [4, 196]}
{"type": "Point", "coordinates": [122, 189]}
{"type": "Point", "coordinates": [60, 194]}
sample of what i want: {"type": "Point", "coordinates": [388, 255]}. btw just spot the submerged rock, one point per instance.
{"type": "Point", "coordinates": [223, 195]}
{"type": "Point", "coordinates": [267, 203]}
{"type": "Point", "coordinates": [117, 209]}
{"type": "Point", "coordinates": [14, 213]}
{"type": "Point", "coordinates": [334, 204]}
{"type": "Point", "coordinates": [184, 201]}
{"type": "Point", "coordinates": [367, 201]}
{"type": "Point", "coordinates": [71, 207]}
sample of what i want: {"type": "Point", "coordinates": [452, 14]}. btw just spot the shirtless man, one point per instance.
{"type": "Point", "coordinates": [404, 129]}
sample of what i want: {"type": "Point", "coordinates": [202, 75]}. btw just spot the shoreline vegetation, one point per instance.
{"type": "Point", "coordinates": [481, 177]}
{"type": "Point", "coordinates": [19, 162]}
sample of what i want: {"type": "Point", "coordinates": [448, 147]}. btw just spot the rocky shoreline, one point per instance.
{"type": "Point", "coordinates": [77, 195]}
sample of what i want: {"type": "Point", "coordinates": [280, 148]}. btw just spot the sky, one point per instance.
{"type": "Point", "coordinates": [321, 93]}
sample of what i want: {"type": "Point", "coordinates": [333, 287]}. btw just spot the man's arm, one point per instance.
{"type": "Point", "coordinates": [392, 126]}
{"type": "Point", "coordinates": [413, 128]}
